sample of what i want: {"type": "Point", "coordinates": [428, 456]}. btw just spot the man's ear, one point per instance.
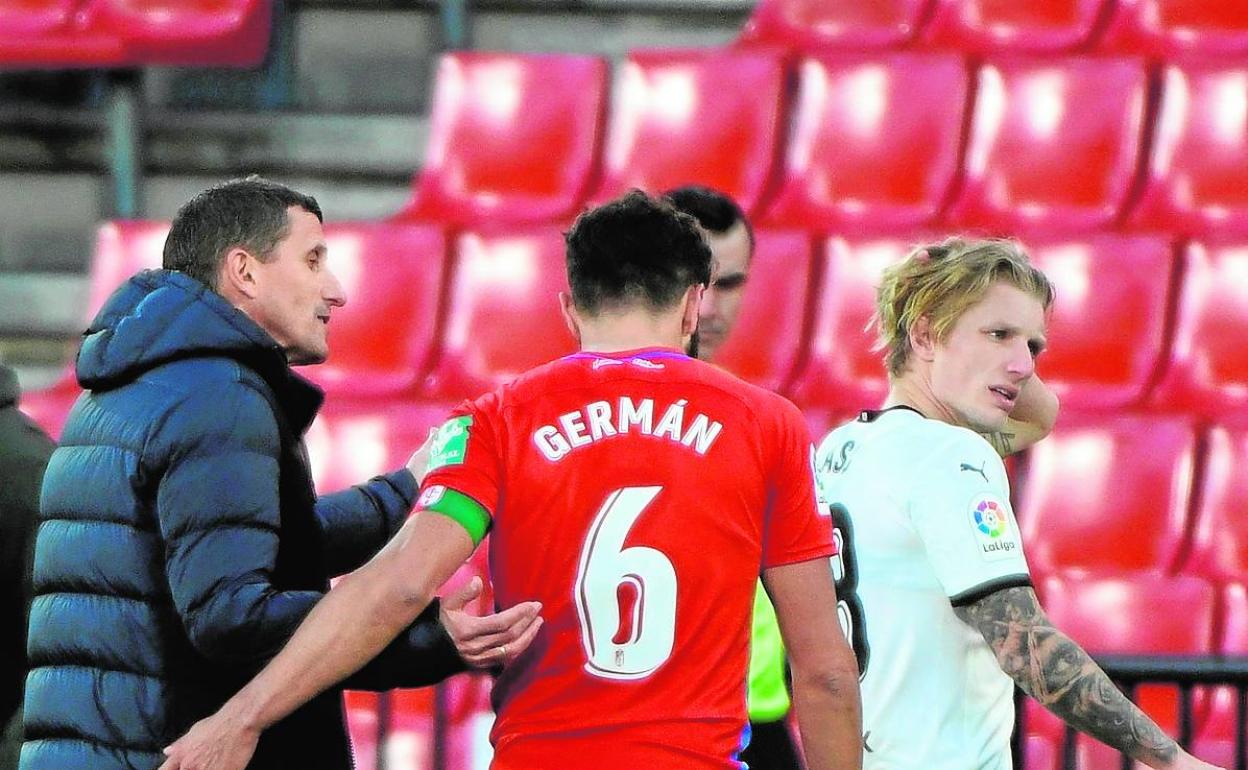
{"type": "Point", "coordinates": [923, 339]}
{"type": "Point", "coordinates": [689, 316]}
{"type": "Point", "coordinates": [571, 319]}
{"type": "Point", "coordinates": [236, 278]}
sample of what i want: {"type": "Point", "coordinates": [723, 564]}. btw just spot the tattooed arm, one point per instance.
{"type": "Point", "coordinates": [1054, 670]}
{"type": "Point", "coordinates": [1033, 418]}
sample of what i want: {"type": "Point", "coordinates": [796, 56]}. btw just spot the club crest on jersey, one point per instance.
{"type": "Point", "coordinates": [430, 496]}
{"type": "Point", "coordinates": [450, 443]}
{"type": "Point", "coordinates": [993, 532]}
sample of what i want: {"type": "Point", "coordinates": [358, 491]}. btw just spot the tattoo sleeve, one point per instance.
{"type": "Point", "coordinates": [1054, 670]}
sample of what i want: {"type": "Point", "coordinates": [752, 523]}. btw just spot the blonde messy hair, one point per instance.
{"type": "Point", "coordinates": [942, 281]}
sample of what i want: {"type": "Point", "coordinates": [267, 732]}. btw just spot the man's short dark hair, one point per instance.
{"type": "Point", "coordinates": [715, 211]}
{"type": "Point", "coordinates": [241, 213]}
{"type": "Point", "coordinates": [635, 249]}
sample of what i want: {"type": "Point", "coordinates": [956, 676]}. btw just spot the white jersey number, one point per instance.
{"type": "Point", "coordinates": [625, 597]}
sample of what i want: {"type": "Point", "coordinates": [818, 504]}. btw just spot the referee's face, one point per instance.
{"type": "Point", "coordinates": [979, 370]}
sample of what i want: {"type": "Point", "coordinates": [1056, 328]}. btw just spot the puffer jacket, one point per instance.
{"type": "Point", "coordinates": [181, 542]}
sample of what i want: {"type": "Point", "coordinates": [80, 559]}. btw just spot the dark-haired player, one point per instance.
{"type": "Point", "coordinates": [636, 493]}
{"type": "Point", "coordinates": [731, 239]}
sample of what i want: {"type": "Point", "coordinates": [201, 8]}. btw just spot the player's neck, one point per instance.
{"type": "Point", "coordinates": [629, 332]}
{"type": "Point", "coordinates": [915, 392]}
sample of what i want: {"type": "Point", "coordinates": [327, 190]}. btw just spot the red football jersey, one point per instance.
{"type": "Point", "coordinates": [637, 495]}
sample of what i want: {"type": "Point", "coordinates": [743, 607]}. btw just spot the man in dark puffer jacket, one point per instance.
{"type": "Point", "coordinates": [181, 541]}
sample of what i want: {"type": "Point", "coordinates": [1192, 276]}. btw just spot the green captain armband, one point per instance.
{"type": "Point", "coordinates": [470, 514]}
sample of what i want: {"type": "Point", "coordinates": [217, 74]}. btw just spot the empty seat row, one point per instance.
{"type": "Point", "coordinates": [130, 33]}
{"type": "Point", "coordinates": [1153, 27]}
{"type": "Point", "coordinates": [441, 318]}
{"type": "Point", "coordinates": [867, 142]}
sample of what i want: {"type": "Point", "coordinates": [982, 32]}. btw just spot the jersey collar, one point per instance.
{"type": "Point", "coordinates": [871, 415]}
{"type": "Point", "coordinates": [649, 354]}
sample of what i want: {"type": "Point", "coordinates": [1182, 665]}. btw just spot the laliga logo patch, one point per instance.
{"type": "Point", "coordinates": [992, 528]}
{"type": "Point", "coordinates": [990, 519]}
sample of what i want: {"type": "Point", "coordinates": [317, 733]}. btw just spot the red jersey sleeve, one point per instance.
{"type": "Point", "coordinates": [466, 454]}
{"type": "Point", "coordinates": [797, 527]}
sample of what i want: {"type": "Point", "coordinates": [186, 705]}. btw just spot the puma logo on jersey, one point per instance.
{"type": "Point", "coordinates": [979, 470]}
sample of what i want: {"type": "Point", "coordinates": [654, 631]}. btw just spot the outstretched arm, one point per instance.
{"type": "Point", "coordinates": [355, 621]}
{"type": "Point", "coordinates": [1054, 670]}
{"type": "Point", "coordinates": [1033, 418]}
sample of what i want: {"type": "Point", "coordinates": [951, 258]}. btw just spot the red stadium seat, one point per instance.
{"type": "Point", "coordinates": [765, 342]}
{"type": "Point", "coordinates": [1215, 739]}
{"type": "Point", "coordinates": [56, 34]}
{"type": "Point", "coordinates": [121, 249]}
{"type": "Point", "coordinates": [1107, 327]}
{"type": "Point", "coordinates": [1168, 28]}
{"type": "Point", "coordinates": [710, 118]}
{"type": "Point", "coordinates": [1109, 494]}
{"type": "Point", "coordinates": [1199, 156]}
{"type": "Point", "coordinates": [352, 441]}
{"type": "Point", "coordinates": [190, 32]}
{"type": "Point", "coordinates": [1122, 615]}
{"type": "Point", "coordinates": [1220, 541]}
{"type": "Point", "coordinates": [1016, 25]}
{"type": "Point", "coordinates": [361, 711]}
{"type": "Point", "coordinates": [382, 340]}
{"type": "Point", "coordinates": [503, 313]}
{"type": "Point", "coordinates": [513, 137]}
{"type": "Point", "coordinates": [1208, 372]}
{"type": "Point", "coordinates": [842, 374]}
{"type": "Point", "coordinates": [814, 24]}
{"type": "Point", "coordinates": [875, 141]}
{"type": "Point", "coordinates": [1052, 144]}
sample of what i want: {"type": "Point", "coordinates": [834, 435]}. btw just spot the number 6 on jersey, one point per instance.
{"type": "Point", "coordinates": [625, 597]}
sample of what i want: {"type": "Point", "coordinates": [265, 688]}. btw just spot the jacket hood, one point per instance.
{"type": "Point", "coordinates": [160, 316]}
{"type": "Point", "coordinates": [8, 387]}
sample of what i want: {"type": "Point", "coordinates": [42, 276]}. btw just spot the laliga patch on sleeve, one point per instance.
{"type": "Point", "coordinates": [450, 443]}
{"type": "Point", "coordinates": [995, 533]}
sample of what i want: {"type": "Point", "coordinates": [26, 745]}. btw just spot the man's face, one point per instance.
{"type": "Point", "coordinates": [721, 303]}
{"type": "Point", "coordinates": [295, 291]}
{"type": "Point", "coordinates": [989, 355]}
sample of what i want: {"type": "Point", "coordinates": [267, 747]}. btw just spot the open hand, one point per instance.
{"type": "Point", "coordinates": [492, 640]}
{"type": "Point", "coordinates": [220, 742]}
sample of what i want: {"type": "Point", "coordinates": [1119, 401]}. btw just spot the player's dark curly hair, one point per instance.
{"type": "Point", "coordinates": [716, 212]}
{"type": "Point", "coordinates": [245, 213]}
{"type": "Point", "coordinates": [635, 249]}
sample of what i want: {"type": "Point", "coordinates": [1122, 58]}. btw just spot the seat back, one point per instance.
{"type": "Point", "coordinates": [1169, 28]}
{"type": "Point", "coordinates": [876, 141]}
{"type": "Point", "coordinates": [1019, 25]}
{"type": "Point", "coordinates": [381, 341]}
{"type": "Point", "coordinates": [813, 24]}
{"type": "Point", "coordinates": [1107, 328]}
{"type": "Point", "coordinates": [503, 314]}
{"type": "Point", "coordinates": [1108, 494]}
{"type": "Point", "coordinates": [842, 373]}
{"type": "Point", "coordinates": [708, 118]}
{"type": "Point", "coordinates": [764, 345]}
{"type": "Point", "coordinates": [1220, 538]}
{"type": "Point", "coordinates": [513, 137]}
{"type": "Point", "coordinates": [1208, 371]}
{"type": "Point", "coordinates": [1199, 157]}
{"type": "Point", "coordinates": [1053, 143]}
